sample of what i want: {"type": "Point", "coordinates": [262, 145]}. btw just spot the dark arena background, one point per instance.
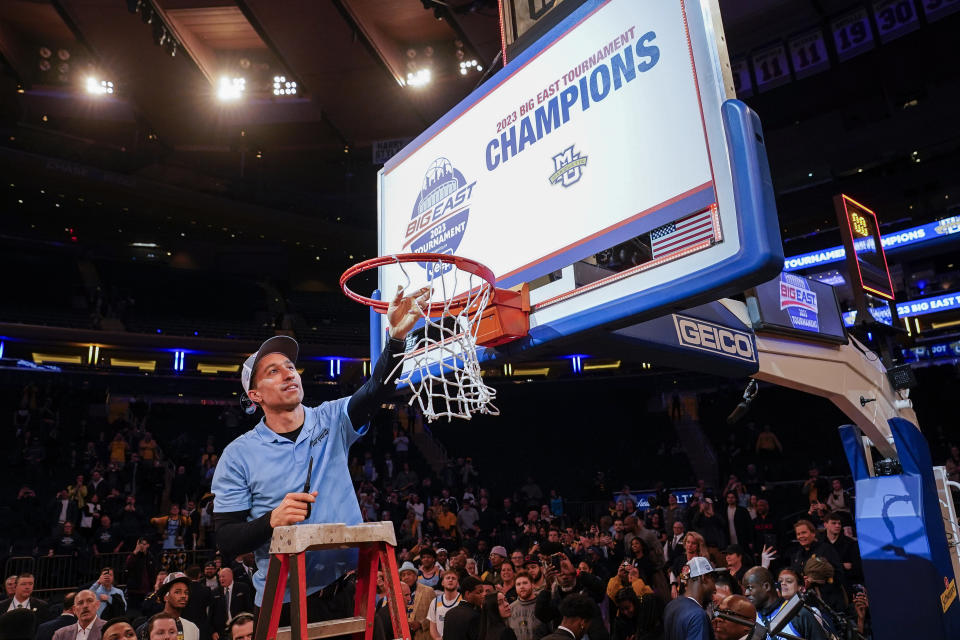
{"type": "Point", "coordinates": [183, 179]}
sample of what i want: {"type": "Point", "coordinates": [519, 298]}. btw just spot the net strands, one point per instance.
{"type": "Point", "coordinates": [444, 371]}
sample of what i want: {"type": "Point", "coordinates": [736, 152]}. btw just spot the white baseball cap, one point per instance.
{"type": "Point", "coordinates": [277, 344]}
{"type": "Point", "coordinates": [700, 566]}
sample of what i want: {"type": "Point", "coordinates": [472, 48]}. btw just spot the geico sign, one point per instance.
{"type": "Point", "coordinates": [707, 336]}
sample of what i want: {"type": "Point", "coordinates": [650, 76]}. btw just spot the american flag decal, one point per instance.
{"type": "Point", "coordinates": [682, 234]}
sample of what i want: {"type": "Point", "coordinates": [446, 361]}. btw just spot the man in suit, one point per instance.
{"type": "Point", "coordinates": [737, 524]}
{"type": "Point", "coordinates": [229, 599]}
{"type": "Point", "coordinates": [46, 630]}
{"type": "Point", "coordinates": [88, 625]}
{"type": "Point", "coordinates": [577, 610]}
{"type": "Point", "coordinates": [197, 609]}
{"type": "Point", "coordinates": [673, 547]}
{"type": "Point", "coordinates": [22, 599]}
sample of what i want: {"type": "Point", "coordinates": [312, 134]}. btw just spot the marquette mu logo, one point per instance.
{"type": "Point", "coordinates": [568, 167]}
{"type": "Point", "coordinates": [440, 212]}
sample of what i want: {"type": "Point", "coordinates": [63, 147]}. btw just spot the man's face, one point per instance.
{"type": "Point", "coordinates": [804, 535]}
{"type": "Point", "coordinates": [834, 526]}
{"type": "Point", "coordinates": [763, 507]}
{"type": "Point", "coordinates": [121, 631]}
{"type": "Point", "coordinates": [721, 592]}
{"type": "Point", "coordinates": [161, 575]}
{"type": "Point", "coordinates": [727, 630]}
{"type": "Point", "coordinates": [516, 558]}
{"type": "Point", "coordinates": [243, 631]}
{"type": "Point", "coordinates": [277, 383]}
{"type": "Point", "coordinates": [475, 597]}
{"type": "Point", "coordinates": [756, 590]}
{"type": "Point", "coordinates": [177, 596]}
{"type": "Point", "coordinates": [85, 606]}
{"type": "Point", "coordinates": [496, 560]}
{"type": "Point", "coordinates": [209, 571]}
{"type": "Point", "coordinates": [450, 581]}
{"type": "Point", "coordinates": [106, 578]}
{"type": "Point", "coordinates": [677, 528]}
{"type": "Point", "coordinates": [533, 568]}
{"type": "Point", "coordinates": [408, 577]}
{"type": "Point", "coordinates": [428, 562]}
{"type": "Point", "coordinates": [10, 586]}
{"type": "Point", "coordinates": [226, 577]}
{"type": "Point", "coordinates": [618, 526]}
{"type": "Point", "coordinates": [67, 528]}
{"type": "Point", "coordinates": [568, 575]}
{"type": "Point", "coordinates": [709, 586]}
{"type": "Point", "coordinates": [524, 587]}
{"type": "Point", "coordinates": [731, 499]}
{"type": "Point", "coordinates": [24, 588]}
{"type": "Point", "coordinates": [442, 558]}
{"type": "Point", "coordinates": [163, 629]}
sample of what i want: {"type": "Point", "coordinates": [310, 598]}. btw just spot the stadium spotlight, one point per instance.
{"type": "Point", "coordinates": [98, 87]}
{"type": "Point", "coordinates": [419, 78]}
{"type": "Point", "coordinates": [231, 88]}
{"type": "Point", "coordinates": [284, 87]}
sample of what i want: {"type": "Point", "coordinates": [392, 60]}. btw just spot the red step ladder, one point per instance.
{"type": "Point", "coordinates": [288, 547]}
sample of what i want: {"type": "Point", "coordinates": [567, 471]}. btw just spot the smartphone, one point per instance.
{"type": "Point", "coordinates": [555, 560]}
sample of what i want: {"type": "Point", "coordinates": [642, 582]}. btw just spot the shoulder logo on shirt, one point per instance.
{"type": "Point", "coordinates": [323, 434]}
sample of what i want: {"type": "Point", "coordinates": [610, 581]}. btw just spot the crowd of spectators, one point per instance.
{"type": "Point", "coordinates": [132, 509]}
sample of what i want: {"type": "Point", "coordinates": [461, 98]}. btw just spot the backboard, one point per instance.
{"type": "Point", "coordinates": [606, 167]}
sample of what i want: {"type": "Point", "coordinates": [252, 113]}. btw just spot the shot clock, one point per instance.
{"type": "Point", "coordinates": [861, 239]}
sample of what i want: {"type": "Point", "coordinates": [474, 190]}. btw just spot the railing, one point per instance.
{"type": "Point", "coordinates": [56, 575]}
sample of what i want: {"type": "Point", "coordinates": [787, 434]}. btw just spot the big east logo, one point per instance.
{"type": "Point", "coordinates": [440, 213]}
{"type": "Point", "coordinates": [799, 302]}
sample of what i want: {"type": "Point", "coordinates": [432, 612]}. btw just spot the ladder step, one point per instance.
{"type": "Point", "coordinates": [328, 628]}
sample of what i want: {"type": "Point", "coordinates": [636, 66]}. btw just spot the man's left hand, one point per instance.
{"type": "Point", "coordinates": [404, 311]}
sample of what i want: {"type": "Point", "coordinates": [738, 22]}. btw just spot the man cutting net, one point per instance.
{"type": "Point", "coordinates": [261, 481]}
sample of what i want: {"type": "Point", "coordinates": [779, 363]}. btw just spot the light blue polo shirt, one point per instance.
{"type": "Point", "coordinates": [260, 467]}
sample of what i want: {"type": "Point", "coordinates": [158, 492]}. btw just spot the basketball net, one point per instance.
{"type": "Point", "coordinates": [442, 368]}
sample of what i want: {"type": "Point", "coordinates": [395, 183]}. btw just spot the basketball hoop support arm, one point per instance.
{"type": "Point", "coordinates": [841, 373]}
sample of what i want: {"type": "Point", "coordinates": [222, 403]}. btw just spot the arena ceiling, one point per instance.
{"type": "Point", "coordinates": [349, 58]}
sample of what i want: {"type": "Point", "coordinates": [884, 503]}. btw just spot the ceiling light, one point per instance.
{"type": "Point", "coordinates": [420, 78]}
{"type": "Point", "coordinates": [284, 87]}
{"type": "Point", "coordinates": [98, 87]}
{"type": "Point", "coordinates": [231, 88]}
